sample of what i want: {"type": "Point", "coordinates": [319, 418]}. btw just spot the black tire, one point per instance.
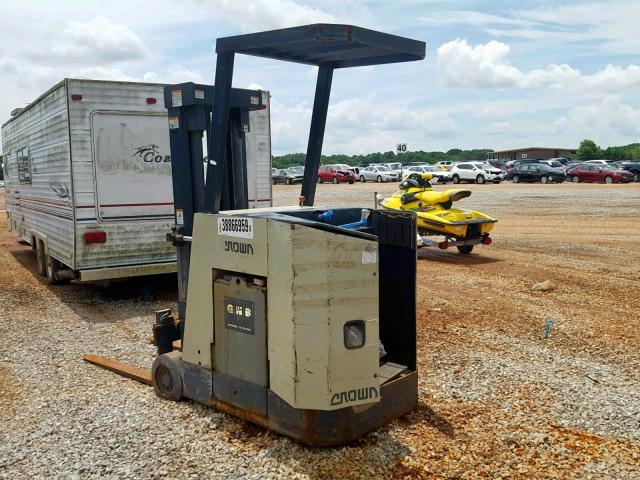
{"type": "Point", "coordinates": [608, 180]}
{"type": "Point", "coordinates": [515, 179]}
{"type": "Point", "coordinates": [636, 176]}
{"type": "Point", "coordinates": [351, 182]}
{"type": "Point", "coordinates": [455, 179]}
{"type": "Point", "coordinates": [362, 179]}
{"type": "Point", "coordinates": [575, 179]}
{"type": "Point", "coordinates": [480, 179]}
{"type": "Point", "coordinates": [53, 267]}
{"type": "Point", "coordinates": [41, 259]}
{"type": "Point", "coordinates": [466, 249]}
{"type": "Point", "coordinates": [320, 180]}
{"type": "Point", "coordinates": [335, 180]}
{"type": "Point", "coordinates": [379, 179]}
{"type": "Point", "coordinates": [289, 182]}
{"type": "Point", "coordinates": [166, 375]}
{"type": "Point", "coordinates": [544, 179]}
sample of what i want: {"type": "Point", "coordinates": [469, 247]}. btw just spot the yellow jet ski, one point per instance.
{"type": "Point", "coordinates": [461, 228]}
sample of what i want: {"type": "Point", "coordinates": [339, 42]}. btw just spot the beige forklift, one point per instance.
{"type": "Point", "coordinates": [300, 319]}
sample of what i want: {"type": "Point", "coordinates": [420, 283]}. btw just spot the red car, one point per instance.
{"type": "Point", "coordinates": [589, 172]}
{"type": "Point", "coordinates": [336, 174]}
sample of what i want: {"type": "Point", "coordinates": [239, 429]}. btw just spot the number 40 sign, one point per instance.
{"type": "Point", "coordinates": [401, 147]}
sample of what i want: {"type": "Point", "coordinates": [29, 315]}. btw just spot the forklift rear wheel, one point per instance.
{"type": "Point", "coordinates": [335, 180]}
{"type": "Point", "coordinates": [465, 248]}
{"type": "Point", "coordinates": [166, 374]}
{"type": "Point", "coordinates": [41, 259]}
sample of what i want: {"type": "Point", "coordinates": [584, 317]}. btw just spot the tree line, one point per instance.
{"type": "Point", "coordinates": [588, 150]}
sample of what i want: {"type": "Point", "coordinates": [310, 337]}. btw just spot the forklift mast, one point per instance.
{"type": "Point", "coordinates": [189, 108]}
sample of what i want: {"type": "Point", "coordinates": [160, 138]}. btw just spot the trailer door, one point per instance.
{"type": "Point", "coordinates": [132, 162]}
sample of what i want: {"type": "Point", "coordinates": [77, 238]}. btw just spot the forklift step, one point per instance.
{"type": "Point", "coordinates": [129, 371]}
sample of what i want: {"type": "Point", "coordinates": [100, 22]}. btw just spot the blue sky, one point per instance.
{"type": "Point", "coordinates": [497, 74]}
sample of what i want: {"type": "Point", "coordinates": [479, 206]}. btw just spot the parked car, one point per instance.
{"type": "Point", "coordinates": [606, 163]}
{"type": "Point", "coordinates": [478, 172]}
{"type": "Point", "coordinates": [541, 172]}
{"type": "Point", "coordinates": [285, 176]}
{"type": "Point", "coordinates": [438, 175]}
{"type": "Point", "coordinates": [444, 165]}
{"type": "Point", "coordinates": [590, 172]}
{"type": "Point", "coordinates": [562, 160]}
{"type": "Point", "coordinates": [633, 167]}
{"type": "Point", "coordinates": [498, 164]}
{"type": "Point", "coordinates": [554, 163]}
{"type": "Point", "coordinates": [378, 173]}
{"type": "Point", "coordinates": [398, 168]}
{"type": "Point", "coordinates": [336, 174]}
{"type": "Point", "coordinates": [299, 170]}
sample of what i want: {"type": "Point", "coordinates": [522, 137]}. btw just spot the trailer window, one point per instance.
{"type": "Point", "coordinates": [23, 161]}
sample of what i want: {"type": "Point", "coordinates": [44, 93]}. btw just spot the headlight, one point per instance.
{"type": "Point", "coordinates": [354, 334]}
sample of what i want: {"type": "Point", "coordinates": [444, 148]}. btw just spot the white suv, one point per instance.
{"type": "Point", "coordinates": [478, 172]}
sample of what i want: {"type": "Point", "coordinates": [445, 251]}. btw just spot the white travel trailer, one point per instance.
{"type": "Point", "coordinates": [88, 178]}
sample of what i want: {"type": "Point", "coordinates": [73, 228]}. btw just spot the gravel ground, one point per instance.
{"type": "Point", "coordinates": [496, 399]}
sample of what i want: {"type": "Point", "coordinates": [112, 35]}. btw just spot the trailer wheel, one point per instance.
{"type": "Point", "coordinates": [53, 267]}
{"type": "Point", "coordinates": [41, 259]}
{"type": "Point", "coordinates": [166, 374]}
{"type": "Point", "coordinates": [466, 249]}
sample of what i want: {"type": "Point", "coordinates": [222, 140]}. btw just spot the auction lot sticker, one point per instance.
{"type": "Point", "coordinates": [235, 227]}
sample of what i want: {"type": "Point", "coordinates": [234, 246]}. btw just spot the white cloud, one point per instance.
{"type": "Point", "coordinates": [607, 119]}
{"type": "Point", "coordinates": [94, 42]}
{"type": "Point", "coordinates": [610, 26]}
{"type": "Point", "coordinates": [469, 17]}
{"type": "Point", "coordinates": [259, 15]}
{"type": "Point", "coordinates": [360, 124]}
{"type": "Point", "coordinates": [488, 66]}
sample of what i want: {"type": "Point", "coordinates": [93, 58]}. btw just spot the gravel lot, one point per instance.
{"type": "Point", "coordinates": [496, 399]}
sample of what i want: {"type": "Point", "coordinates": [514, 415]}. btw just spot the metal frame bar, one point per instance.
{"type": "Point", "coordinates": [316, 134]}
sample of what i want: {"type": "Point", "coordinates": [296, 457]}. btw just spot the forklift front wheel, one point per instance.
{"type": "Point", "coordinates": [166, 374]}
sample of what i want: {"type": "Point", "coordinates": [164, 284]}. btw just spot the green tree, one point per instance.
{"type": "Point", "coordinates": [588, 150]}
